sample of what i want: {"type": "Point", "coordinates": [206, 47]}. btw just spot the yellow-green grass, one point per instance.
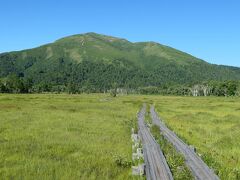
{"type": "Point", "coordinates": [211, 124]}
{"type": "Point", "coordinates": [65, 136]}
{"type": "Point", "coordinates": [86, 136]}
{"type": "Point", "coordinates": [174, 159]}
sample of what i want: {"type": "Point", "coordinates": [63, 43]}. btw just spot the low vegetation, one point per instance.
{"type": "Point", "coordinates": [174, 159]}
{"type": "Point", "coordinates": [65, 137]}
{"type": "Point", "coordinates": [49, 136]}
{"type": "Point", "coordinates": [211, 124]}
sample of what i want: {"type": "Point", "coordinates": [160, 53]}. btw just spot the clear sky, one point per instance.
{"type": "Point", "coordinates": [208, 29]}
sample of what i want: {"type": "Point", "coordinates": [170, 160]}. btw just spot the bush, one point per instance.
{"type": "Point", "coordinates": [122, 161]}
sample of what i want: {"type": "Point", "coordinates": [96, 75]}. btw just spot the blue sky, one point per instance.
{"type": "Point", "coordinates": [208, 29]}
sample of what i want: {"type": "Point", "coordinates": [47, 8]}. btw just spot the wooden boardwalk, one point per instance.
{"type": "Point", "coordinates": [156, 165]}
{"type": "Point", "coordinates": [198, 168]}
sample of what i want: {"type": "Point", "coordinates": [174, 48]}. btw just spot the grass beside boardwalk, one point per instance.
{"type": "Point", "coordinates": [211, 124]}
{"type": "Point", "coordinates": [174, 159]}
{"type": "Point", "coordinates": [65, 136]}
{"type": "Point", "coordinates": [88, 136]}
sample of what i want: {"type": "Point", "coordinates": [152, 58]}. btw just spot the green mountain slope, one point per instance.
{"type": "Point", "coordinates": [97, 61]}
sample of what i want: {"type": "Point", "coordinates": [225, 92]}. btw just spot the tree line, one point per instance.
{"type": "Point", "coordinates": [211, 88]}
{"type": "Point", "coordinates": [15, 84]}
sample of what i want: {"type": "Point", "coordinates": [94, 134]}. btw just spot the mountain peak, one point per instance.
{"type": "Point", "coordinates": [103, 59]}
{"type": "Point", "coordinates": [92, 36]}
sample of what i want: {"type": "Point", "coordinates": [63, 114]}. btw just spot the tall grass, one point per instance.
{"type": "Point", "coordinates": [174, 159]}
{"type": "Point", "coordinates": [65, 137]}
{"type": "Point", "coordinates": [211, 124]}
{"type": "Point", "coordinates": [88, 136]}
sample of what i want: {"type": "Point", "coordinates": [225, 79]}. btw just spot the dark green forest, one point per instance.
{"type": "Point", "coordinates": [98, 63]}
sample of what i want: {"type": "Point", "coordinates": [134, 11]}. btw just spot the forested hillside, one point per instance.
{"type": "Point", "coordinates": [97, 63]}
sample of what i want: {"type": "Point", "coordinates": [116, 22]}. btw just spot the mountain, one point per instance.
{"type": "Point", "coordinates": [98, 61]}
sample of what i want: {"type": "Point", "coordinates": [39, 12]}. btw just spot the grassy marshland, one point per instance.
{"type": "Point", "coordinates": [89, 136]}
{"type": "Point", "coordinates": [211, 124]}
{"type": "Point", "coordinates": [174, 159]}
{"type": "Point", "coordinates": [65, 137]}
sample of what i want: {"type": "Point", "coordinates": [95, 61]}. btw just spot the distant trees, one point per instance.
{"type": "Point", "coordinates": [201, 90]}
{"type": "Point", "coordinates": [14, 84]}
{"type": "Point", "coordinates": [113, 91]}
{"type": "Point", "coordinates": [2, 86]}
{"type": "Point", "coordinates": [116, 66]}
{"type": "Point", "coordinates": [226, 88]}
{"type": "Point", "coordinates": [115, 77]}
{"type": "Point", "coordinates": [72, 88]}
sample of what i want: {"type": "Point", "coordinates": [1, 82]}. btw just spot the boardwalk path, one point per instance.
{"type": "Point", "coordinates": [199, 169]}
{"type": "Point", "coordinates": [156, 165]}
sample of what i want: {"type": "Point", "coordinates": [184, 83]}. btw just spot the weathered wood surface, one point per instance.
{"type": "Point", "coordinates": [198, 168]}
{"type": "Point", "coordinates": [156, 165]}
